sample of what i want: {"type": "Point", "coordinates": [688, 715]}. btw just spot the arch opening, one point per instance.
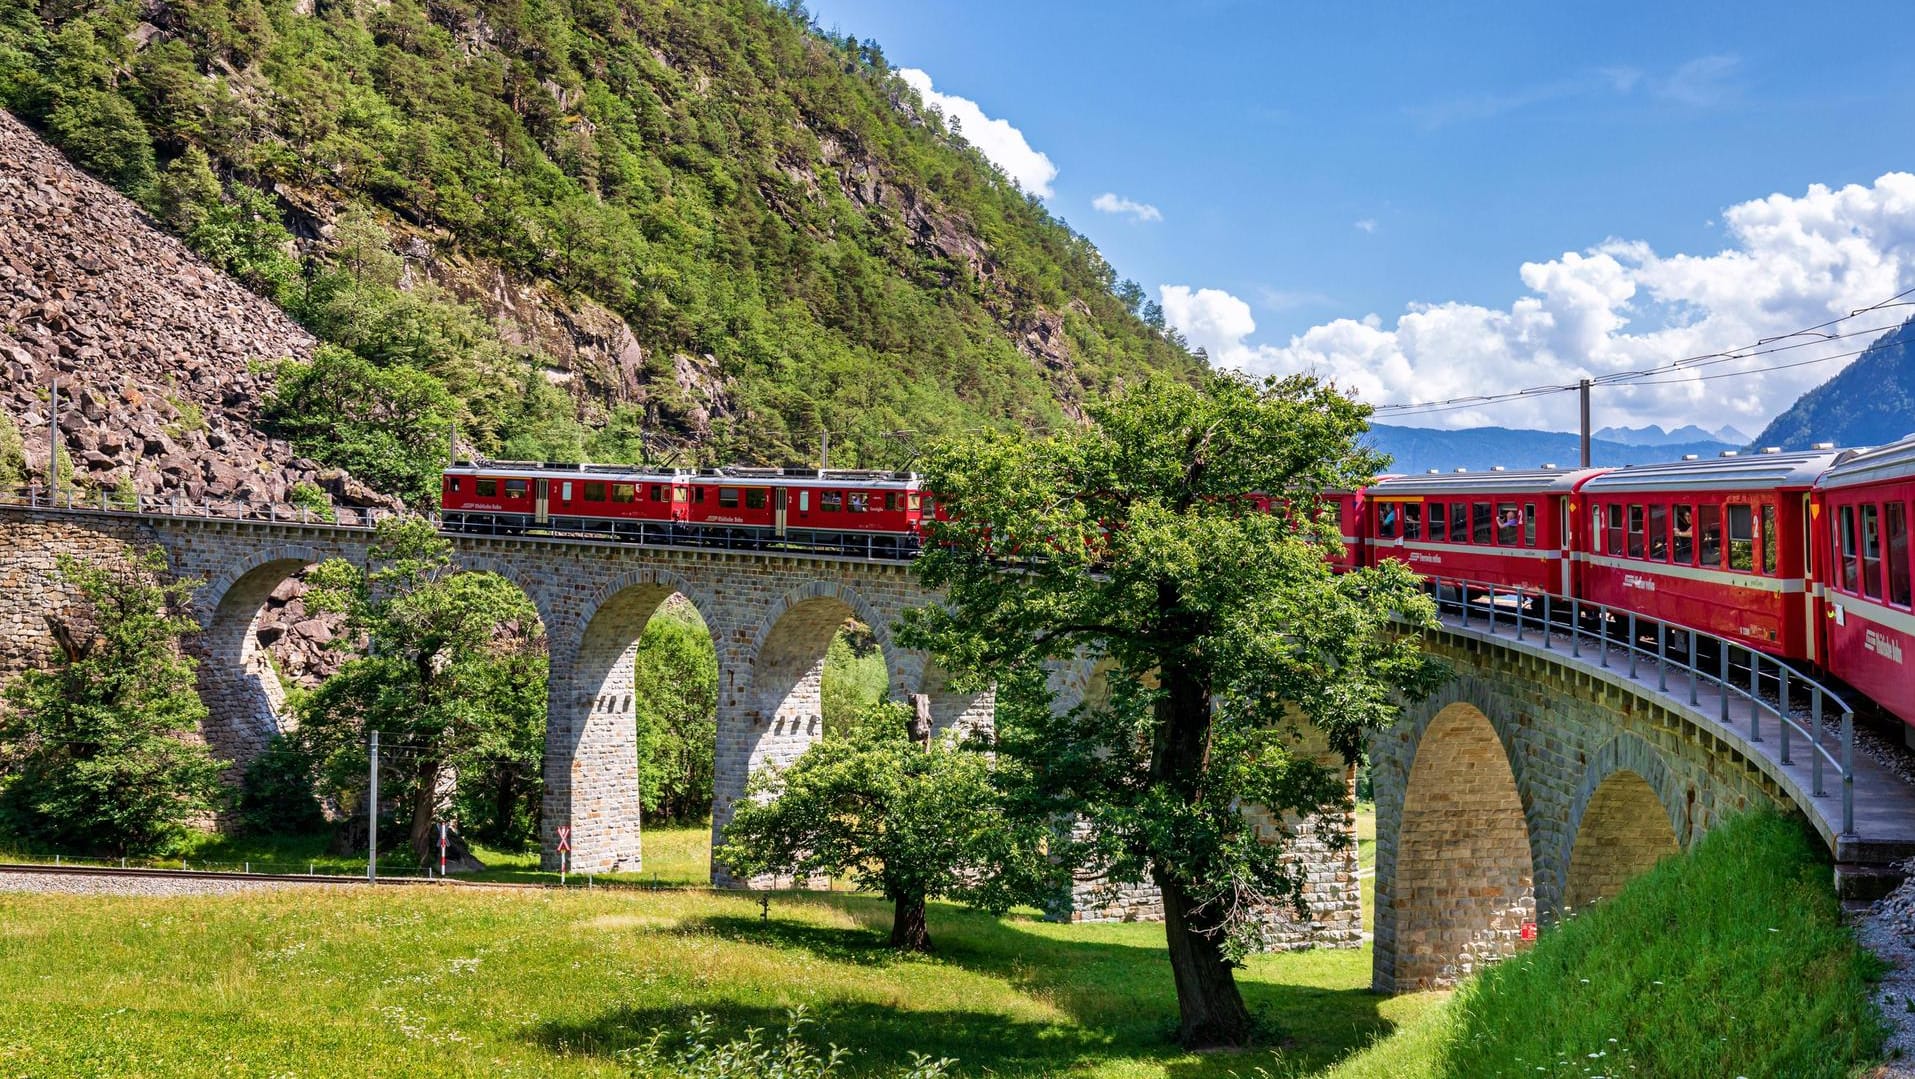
{"type": "Point", "coordinates": [1463, 885]}
{"type": "Point", "coordinates": [259, 613]}
{"type": "Point", "coordinates": [817, 665]}
{"type": "Point", "coordinates": [1625, 831]}
{"type": "Point", "coordinates": [637, 678]}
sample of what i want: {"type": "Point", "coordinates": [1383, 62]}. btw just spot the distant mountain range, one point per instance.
{"type": "Point", "coordinates": [1417, 449]}
{"type": "Point", "coordinates": [1653, 435]}
{"type": "Point", "coordinates": [1871, 402]}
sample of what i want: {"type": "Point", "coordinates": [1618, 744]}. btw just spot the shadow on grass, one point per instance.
{"type": "Point", "coordinates": [1119, 998]}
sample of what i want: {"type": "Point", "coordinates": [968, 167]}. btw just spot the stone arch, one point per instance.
{"type": "Point", "coordinates": [1628, 813]}
{"type": "Point", "coordinates": [238, 683]}
{"type": "Point", "coordinates": [591, 750]}
{"type": "Point", "coordinates": [780, 712]}
{"type": "Point", "coordinates": [1460, 885]}
{"type": "Point", "coordinates": [965, 711]}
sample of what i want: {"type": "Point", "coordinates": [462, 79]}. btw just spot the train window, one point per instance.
{"type": "Point", "coordinates": [1614, 544]}
{"type": "Point", "coordinates": [1482, 523]}
{"type": "Point", "coordinates": [678, 494]}
{"type": "Point", "coordinates": [1459, 523]}
{"type": "Point", "coordinates": [857, 502]}
{"type": "Point", "coordinates": [1741, 536]}
{"type": "Point", "coordinates": [565, 491]}
{"type": "Point", "coordinates": [1849, 569]}
{"type": "Point", "coordinates": [930, 505]}
{"type": "Point", "coordinates": [1685, 536]}
{"type": "Point", "coordinates": [1412, 520]}
{"type": "Point", "coordinates": [1871, 551]}
{"type": "Point", "coordinates": [1529, 524]}
{"type": "Point", "coordinates": [1508, 521]}
{"type": "Point", "coordinates": [728, 498]}
{"type": "Point", "coordinates": [1771, 540]}
{"type": "Point", "coordinates": [488, 488]}
{"type": "Point", "coordinates": [912, 501]}
{"type": "Point", "coordinates": [594, 492]}
{"type": "Point", "coordinates": [1709, 525]}
{"type": "Point", "coordinates": [1438, 527]}
{"type": "Point", "coordinates": [658, 493]}
{"type": "Point", "coordinates": [624, 492]}
{"type": "Point", "coordinates": [452, 483]}
{"type": "Point", "coordinates": [698, 494]}
{"type": "Point", "coordinates": [755, 498]}
{"type": "Point", "coordinates": [1386, 520]}
{"type": "Point", "coordinates": [515, 488]}
{"type": "Point", "coordinates": [830, 501]}
{"type": "Point", "coordinates": [1895, 523]}
{"type": "Point", "coordinates": [1635, 531]}
{"type": "Point", "coordinates": [1659, 533]}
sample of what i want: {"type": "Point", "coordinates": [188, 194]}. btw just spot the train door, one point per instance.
{"type": "Point", "coordinates": [1811, 557]}
{"type": "Point", "coordinates": [541, 505]}
{"type": "Point", "coordinates": [1565, 516]}
{"type": "Point", "coordinates": [778, 513]}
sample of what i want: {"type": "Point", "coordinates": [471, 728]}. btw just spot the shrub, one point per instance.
{"type": "Point", "coordinates": [276, 796]}
{"type": "Point", "coordinates": [701, 1055]}
{"type": "Point", "coordinates": [103, 135]}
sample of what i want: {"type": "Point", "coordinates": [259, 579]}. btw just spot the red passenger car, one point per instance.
{"type": "Point", "coordinates": [516, 496]}
{"type": "Point", "coordinates": [1720, 545]}
{"type": "Point", "coordinates": [1868, 625]}
{"type": "Point", "coordinates": [1512, 529]}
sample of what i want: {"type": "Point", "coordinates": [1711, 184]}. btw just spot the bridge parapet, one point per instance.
{"type": "Point", "coordinates": [1613, 757]}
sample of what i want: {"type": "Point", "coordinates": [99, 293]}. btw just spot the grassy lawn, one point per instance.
{"type": "Point", "coordinates": [471, 982]}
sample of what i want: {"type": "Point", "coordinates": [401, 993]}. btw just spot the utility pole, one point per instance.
{"type": "Point", "coordinates": [372, 817]}
{"type": "Point", "coordinates": [53, 445]}
{"type": "Point", "coordinates": [1583, 387]}
{"type": "Point", "coordinates": [452, 443]}
{"type": "Point", "coordinates": [824, 448]}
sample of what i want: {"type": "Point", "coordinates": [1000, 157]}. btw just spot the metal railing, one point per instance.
{"type": "Point", "coordinates": [175, 505]}
{"type": "Point", "coordinates": [1765, 689]}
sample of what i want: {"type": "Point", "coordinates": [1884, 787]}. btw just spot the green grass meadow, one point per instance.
{"type": "Point", "coordinates": [468, 981]}
{"type": "Point", "coordinates": [1730, 961]}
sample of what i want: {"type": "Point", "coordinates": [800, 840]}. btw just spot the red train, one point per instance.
{"type": "Point", "coordinates": [1805, 556]}
{"type": "Point", "coordinates": [875, 514]}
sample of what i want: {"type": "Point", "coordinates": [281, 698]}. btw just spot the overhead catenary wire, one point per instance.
{"type": "Point", "coordinates": [1640, 376]}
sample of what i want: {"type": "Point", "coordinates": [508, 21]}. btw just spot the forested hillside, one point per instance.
{"type": "Point", "coordinates": [1870, 403]}
{"type": "Point", "coordinates": [586, 229]}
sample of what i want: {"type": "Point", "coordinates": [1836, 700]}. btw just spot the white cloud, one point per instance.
{"type": "Point", "coordinates": [996, 139]}
{"type": "Point", "coordinates": [1367, 224]}
{"type": "Point", "coordinates": [1112, 203]}
{"type": "Point", "coordinates": [1791, 262]}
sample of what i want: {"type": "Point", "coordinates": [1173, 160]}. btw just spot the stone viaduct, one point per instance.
{"type": "Point", "coordinates": [1531, 785]}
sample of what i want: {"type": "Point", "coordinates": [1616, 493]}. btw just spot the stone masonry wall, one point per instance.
{"type": "Point", "coordinates": [1562, 734]}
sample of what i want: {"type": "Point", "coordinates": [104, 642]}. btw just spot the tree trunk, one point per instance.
{"type": "Point", "coordinates": [908, 930]}
{"type": "Point", "coordinates": [1211, 1011]}
{"type": "Point", "coordinates": [422, 836]}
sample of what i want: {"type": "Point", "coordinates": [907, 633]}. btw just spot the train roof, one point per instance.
{"type": "Point", "coordinates": [1740, 472]}
{"type": "Point", "coordinates": [1895, 461]}
{"type": "Point", "coordinates": [1494, 481]}
{"type": "Point", "coordinates": [739, 474]}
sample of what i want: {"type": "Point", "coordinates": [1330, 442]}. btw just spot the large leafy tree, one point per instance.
{"type": "Point", "coordinates": [911, 816]}
{"type": "Point", "coordinates": [453, 676]}
{"type": "Point", "coordinates": [1131, 542]}
{"type": "Point", "coordinates": [98, 753]}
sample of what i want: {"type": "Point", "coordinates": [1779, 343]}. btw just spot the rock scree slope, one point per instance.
{"type": "Point", "coordinates": [163, 361]}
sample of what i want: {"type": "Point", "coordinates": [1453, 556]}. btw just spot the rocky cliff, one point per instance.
{"type": "Point", "coordinates": [162, 360]}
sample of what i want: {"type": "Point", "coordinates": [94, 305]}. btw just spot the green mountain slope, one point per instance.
{"type": "Point", "coordinates": [1870, 403]}
{"type": "Point", "coordinates": [697, 226]}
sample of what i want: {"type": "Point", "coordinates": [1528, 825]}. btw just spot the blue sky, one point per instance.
{"type": "Point", "coordinates": [1311, 165]}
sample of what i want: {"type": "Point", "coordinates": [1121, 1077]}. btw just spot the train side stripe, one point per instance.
{"type": "Point", "coordinates": [1696, 573]}
{"type": "Point", "coordinates": [1871, 611]}
{"type": "Point", "coordinates": [1386, 546]}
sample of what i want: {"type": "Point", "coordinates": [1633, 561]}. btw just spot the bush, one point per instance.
{"type": "Point", "coordinates": [276, 796]}
{"type": "Point", "coordinates": [103, 135]}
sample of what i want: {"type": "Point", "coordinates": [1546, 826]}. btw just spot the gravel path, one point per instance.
{"type": "Point", "coordinates": [100, 884]}
{"type": "Point", "coordinates": [1887, 928]}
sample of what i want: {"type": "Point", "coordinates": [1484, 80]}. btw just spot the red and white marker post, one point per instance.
{"type": "Point", "coordinates": [565, 850]}
{"type": "Point", "coordinates": [442, 850]}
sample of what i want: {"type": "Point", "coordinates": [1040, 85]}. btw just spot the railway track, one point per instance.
{"type": "Point", "coordinates": [132, 873]}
